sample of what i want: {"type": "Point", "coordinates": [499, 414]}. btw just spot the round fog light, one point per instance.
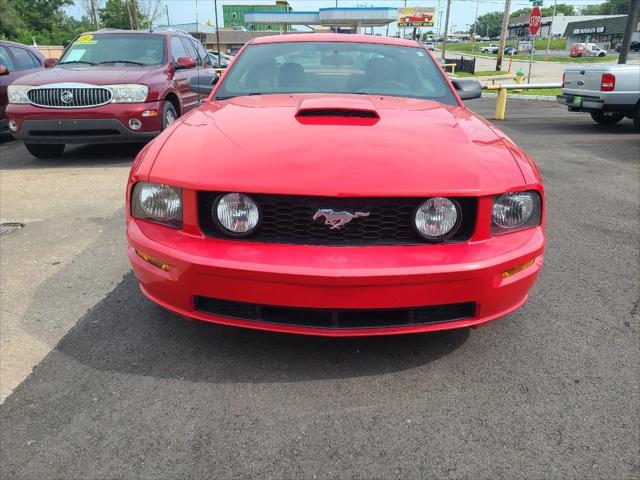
{"type": "Point", "coordinates": [236, 213]}
{"type": "Point", "coordinates": [437, 219]}
{"type": "Point", "coordinates": [135, 124]}
{"type": "Point", "coordinates": [13, 126]}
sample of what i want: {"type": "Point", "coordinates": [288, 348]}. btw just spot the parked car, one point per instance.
{"type": "Point", "coordinates": [491, 48]}
{"type": "Point", "coordinates": [511, 50]}
{"type": "Point", "coordinates": [429, 45]}
{"type": "Point", "coordinates": [634, 46]}
{"type": "Point", "coordinates": [608, 92]}
{"type": "Point", "coordinates": [109, 86]}
{"type": "Point", "coordinates": [578, 50]}
{"type": "Point", "coordinates": [306, 220]}
{"type": "Point", "coordinates": [16, 60]}
{"type": "Point", "coordinates": [213, 57]}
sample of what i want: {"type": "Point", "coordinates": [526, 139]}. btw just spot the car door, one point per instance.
{"type": "Point", "coordinates": [181, 78]}
{"type": "Point", "coordinates": [19, 61]}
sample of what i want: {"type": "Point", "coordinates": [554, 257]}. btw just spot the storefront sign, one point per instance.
{"type": "Point", "coordinates": [580, 31]}
{"type": "Point", "coordinates": [416, 17]}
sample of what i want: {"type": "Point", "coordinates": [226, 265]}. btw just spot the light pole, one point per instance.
{"type": "Point", "coordinates": [475, 25]}
{"type": "Point", "coordinates": [555, 3]}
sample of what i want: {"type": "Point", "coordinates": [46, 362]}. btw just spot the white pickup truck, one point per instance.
{"type": "Point", "coordinates": [608, 92]}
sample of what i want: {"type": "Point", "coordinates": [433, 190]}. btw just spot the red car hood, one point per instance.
{"type": "Point", "coordinates": [261, 144]}
{"type": "Point", "coordinates": [92, 75]}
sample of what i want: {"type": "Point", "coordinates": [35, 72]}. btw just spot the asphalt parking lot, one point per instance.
{"type": "Point", "coordinates": [127, 390]}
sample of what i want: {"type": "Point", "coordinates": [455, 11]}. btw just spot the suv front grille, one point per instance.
{"type": "Point", "coordinates": [69, 97]}
{"type": "Point", "coordinates": [289, 219]}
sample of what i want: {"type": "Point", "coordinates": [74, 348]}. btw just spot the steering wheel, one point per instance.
{"type": "Point", "coordinates": [391, 83]}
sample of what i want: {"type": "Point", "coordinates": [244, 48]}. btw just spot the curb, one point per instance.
{"type": "Point", "coordinates": [531, 98]}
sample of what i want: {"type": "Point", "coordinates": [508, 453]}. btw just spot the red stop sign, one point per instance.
{"type": "Point", "coordinates": [535, 20]}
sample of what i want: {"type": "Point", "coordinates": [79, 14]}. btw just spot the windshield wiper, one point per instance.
{"type": "Point", "coordinates": [123, 61]}
{"type": "Point", "coordinates": [234, 96]}
{"type": "Point", "coordinates": [77, 61]}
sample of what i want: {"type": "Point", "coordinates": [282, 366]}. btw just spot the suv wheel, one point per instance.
{"type": "Point", "coordinates": [45, 150]}
{"type": "Point", "coordinates": [169, 114]}
{"type": "Point", "coordinates": [607, 118]}
{"type": "Point", "coordinates": [636, 117]}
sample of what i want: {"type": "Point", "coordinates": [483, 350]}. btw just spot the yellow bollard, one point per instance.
{"type": "Point", "coordinates": [501, 106]}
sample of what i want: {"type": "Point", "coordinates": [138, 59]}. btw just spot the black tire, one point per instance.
{"type": "Point", "coordinates": [169, 114]}
{"type": "Point", "coordinates": [579, 55]}
{"type": "Point", "coordinates": [601, 54]}
{"type": "Point", "coordinates": [636, 117]}
{"type": "Point", "coordinates": [607, 118]}
{"type": "Point", "coordinates": [45, 150]}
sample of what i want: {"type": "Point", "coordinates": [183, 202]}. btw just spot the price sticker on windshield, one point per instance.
{"type": "Point", "coordinates": [85, 40]}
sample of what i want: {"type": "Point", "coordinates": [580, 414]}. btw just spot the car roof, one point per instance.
{"type": "Point", "coordinates": [163, 31]}
{"type": "Point", "coordinates": [334, 37]}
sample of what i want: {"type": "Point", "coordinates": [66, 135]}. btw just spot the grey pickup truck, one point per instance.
{"type": "Point", "coordinates": [608, 92]}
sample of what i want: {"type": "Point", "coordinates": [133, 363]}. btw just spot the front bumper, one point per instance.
{"type": "Point", "coordinates": [104, 124]}
{"type": "Point", "coordinates": [343, 278]}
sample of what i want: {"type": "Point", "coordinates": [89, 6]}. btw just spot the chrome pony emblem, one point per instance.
{"type": "Point", "coordinates": [66, 97]}
{"type": "Point", "coordinates": [337, 219]}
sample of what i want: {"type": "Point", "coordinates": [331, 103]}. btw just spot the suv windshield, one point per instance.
{"type": "Point", "coordinates": [336, 67]}
{"type": "Point", "coordinates": [135, 49]}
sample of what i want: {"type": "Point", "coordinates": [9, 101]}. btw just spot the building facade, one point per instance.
{"type": "Point", "coordinates": [550, 26]}
{"type": "Point", "coordinates": [606, 32]}
{"type": "Point", "coordinates": [233, 16]}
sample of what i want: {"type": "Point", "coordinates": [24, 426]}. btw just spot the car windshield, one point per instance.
{"type": "Point", "coordinates": [336, 67]}
{"type": "Point", "coordinates": [109, 49]}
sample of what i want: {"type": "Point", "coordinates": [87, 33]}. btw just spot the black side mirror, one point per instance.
{"type": "Point", "coordinates": [467, 89]}
{"type": "Point", "coordinates": [203, 84]}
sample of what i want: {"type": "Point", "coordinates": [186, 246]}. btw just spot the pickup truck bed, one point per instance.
{"type": "Point", "coordinates": [608, 92]}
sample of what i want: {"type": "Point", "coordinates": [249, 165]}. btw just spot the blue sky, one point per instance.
{"type": "Point", "coordinates": [462, 11]}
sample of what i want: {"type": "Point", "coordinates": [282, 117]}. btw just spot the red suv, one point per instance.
{"type": "Point", "coordinates": [109, 86]}
{"type": "Point", "coordinates": [16, 60]}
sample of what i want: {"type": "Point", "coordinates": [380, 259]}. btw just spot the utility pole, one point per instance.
{"type": "Point", "coordinates": [555, 3]}
{"type": "Point", "coordinates": [446, 29]}
{"type": "Point", "coordinates": [628, 29]}
{"type": "Point", "coordinates": [215, 6]}
{"type": "Point", "coordinates": [503, 34]}
{"type": "Point", "coordinates": [166, 8]}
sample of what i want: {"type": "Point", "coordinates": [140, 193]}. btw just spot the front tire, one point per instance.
{"type": "Point", "coordinates": [636, 117]}
{"type": "Point", "coordinates": [607, 118]}
{"type": "Point", "coordinates": [45, 150]}
{"type": "Point", "coordinates": [169, 114]}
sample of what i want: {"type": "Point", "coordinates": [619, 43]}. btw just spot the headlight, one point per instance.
{"type": "Point", "coordinates": [515, 211]}
{"type": "Point", "coordinates": [437, 218]}
{"type": "Point", "coordinates": [157, 202]}
{"type": "Point", "coordinates": [18, 93]}
{"type": "Point", "coordinates": [236, 213]}
{"type": "Point", "coordinates": [128, 92]}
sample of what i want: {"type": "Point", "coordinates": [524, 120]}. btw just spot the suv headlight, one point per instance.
{"type": "Point", "coordinates": [128, 92]}
{"type": "Point", "coordinates": [515, 211]}
{"type": "Point", "coordinates": [157, 202]}
{"type": "Point", "coordinates": [18, 93]}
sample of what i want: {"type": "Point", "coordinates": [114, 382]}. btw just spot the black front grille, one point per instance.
{"type": "Point", "coordinates": [289, 219]}
{"type": "Point", "coordinates": [336, 318]}
{"type": "Point", "coordinates": [69, 97]}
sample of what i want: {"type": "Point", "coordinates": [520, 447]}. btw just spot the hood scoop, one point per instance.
{"type": "Point", "coordinates": [340, 110]}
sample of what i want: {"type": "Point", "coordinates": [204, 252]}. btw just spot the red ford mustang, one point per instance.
{"type": "Point", "coordinates": [336, 185]}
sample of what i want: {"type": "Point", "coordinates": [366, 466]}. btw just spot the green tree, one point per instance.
{"type": "Point", "coordinates": [488, 24]}
{"type": "Point", "coordinates": [115, 14]}
{"type": "Point", "coordinates": [547, 11]}
{"type": "Point", "coordinates": [609, 7]}
{"type": "Point", "coordinates": [10, 21]}
{"type": "Point", "coordinates": [43, 21]}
